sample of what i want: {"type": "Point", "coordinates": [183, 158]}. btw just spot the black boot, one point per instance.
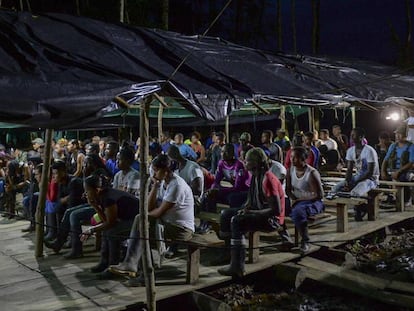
{"type": "Point", "coordinates": [76, 246]}
{"type": "Point", "coordinates": [51, 224]}
{"type": "Point", "coordinates": [304, 244]}
{"type": "Point", "coordinates": [236, 267]}
{"type": "Point", "coordinates": [103, 263]}
{"type": "Point", "coordinates": [360, 212]}
{"type": "Point", "coordinates": [224, 256]}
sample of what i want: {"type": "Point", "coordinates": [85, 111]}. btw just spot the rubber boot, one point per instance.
{"type": "Point", "coordinates": [51, 223]}
{"type": "Point", "coordinates": [57, 244]}
{"type": "Point", "coordinates": [236, 267]}
{"type": "Point", "coordinates": [76, 246]}
{"type": "Point", "coordinates": [103, 263]}
{"type": "Point", "coordinates": [304, 244]}
{"type": "Point", "coordinates": [224, 256]}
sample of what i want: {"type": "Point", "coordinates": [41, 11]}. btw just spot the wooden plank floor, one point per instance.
{"type": "Point", "coordinates": [53, 283]}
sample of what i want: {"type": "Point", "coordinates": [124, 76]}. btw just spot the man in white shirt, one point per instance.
{"type": "Point", "coordinates": [127, 179]}
{"type": "Point", "coordinates": [326, 140]}
{"type": "Point", "coordinates": [365, 160]}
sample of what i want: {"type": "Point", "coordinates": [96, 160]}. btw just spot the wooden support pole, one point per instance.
{"type": "Point", "coordinates": [283, 117]}
{"type": "Point", "coordinates": [310, 119]}
{"type": "Point", "coordinates": [40, 209]}
{"type": "Point", "coordinates": [353, 116]}
{"type": "Point", "coordinates": [160, 113]}
{"type": "Point", "coordinates": [148, 269]}
{"type": "Point", "coordinates": [227, 129]}
{"type": "Point", "coordinates": [316, 119]}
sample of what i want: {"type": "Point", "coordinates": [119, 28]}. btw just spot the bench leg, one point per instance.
{"type": "Point", "coordinates": [193, 264]}
{"type": "Point", "coordinates": [373, 207]}
{"type": "Point", "coordinates": [400, 199]}
{"type": "Point", "coordinates": [341, 217]}
{"type": "Point", "coordinates": [254, 251]}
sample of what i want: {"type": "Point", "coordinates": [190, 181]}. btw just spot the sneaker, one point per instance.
{"type": "Point", "coordinates": [100, 267]}
{"type": "Point", "coordinates": [171, 252]}
{"type": "Point", "coordinates": [304, 247]}
{"type": "Point", "coordinates": [204, 229]}
{"type": "Point", "coordinates": [407, 204]}
{"type": "Point", "coordinates": [123, 269]}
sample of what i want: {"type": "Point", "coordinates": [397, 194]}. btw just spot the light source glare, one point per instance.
{"type": "Point", "coordinates": [395, 116]}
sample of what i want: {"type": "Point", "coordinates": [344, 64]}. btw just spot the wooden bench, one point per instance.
{"type": "Point", "coordinates": [342, 205]}
{"type": "Point", "coordinates": [253, 237]}
{"type": "Point", "coordinates": [399, 186]}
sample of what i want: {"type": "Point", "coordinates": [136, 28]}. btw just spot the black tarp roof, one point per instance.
{"type": "Point", "coordinates": [60, 71]}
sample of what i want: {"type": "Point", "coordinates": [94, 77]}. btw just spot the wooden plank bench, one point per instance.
{"type": "Point", "coordinates": [342, 205]}
{"type": "Point", "coordinates": [399, 185]}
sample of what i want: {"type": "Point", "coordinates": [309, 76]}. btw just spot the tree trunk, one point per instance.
{"type": "Point", "coordinates": [279, 25]}
{"type": "Point", "coordinates": [293, 8]}
{"type": "Point", "coordinates": [121, 10]}
{"type": "Point", "coordinates": [315, 26]}
{"type": "Point", "coordinates": [147, 267]}
{"type": "Point", "coordinates": [40, 208]}
{"type": "Point", "coordinates": [165, 5]}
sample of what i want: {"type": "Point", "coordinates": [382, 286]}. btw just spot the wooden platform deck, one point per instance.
{"type": "Point", "coordinates": [54, 283]}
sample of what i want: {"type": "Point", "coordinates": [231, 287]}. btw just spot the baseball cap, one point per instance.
{"type": "Point", "coordinates": [38, 141]}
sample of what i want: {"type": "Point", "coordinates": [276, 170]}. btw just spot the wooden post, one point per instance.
{"type": "Point", "coordinates": [148, 269]}
{"type": "Point", "coordinates": [227, 129]}
{"type": "Point", "coordinates": [160, 113]}
{"type": "Point", "coordinates": [310, 119]}
{"type": "Point", "coordinates": [341, 217]}
{"type": "Point", "coordinates": [353, 116]}
{"type": "Point", "coordinates": [254, 251]}
{"type": "Point", "coordinates": [40, 209]}
{"type": "Point", "coordinates": [283, 117]}
{"type": "Point", "coordinates": [316, 119]}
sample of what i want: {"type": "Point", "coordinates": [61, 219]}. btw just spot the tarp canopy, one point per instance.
{"type": "Point", "coordinates": [61, 71]}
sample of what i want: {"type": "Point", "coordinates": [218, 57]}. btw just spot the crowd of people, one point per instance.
{"type": "Point", "coordinates": [96, 182]}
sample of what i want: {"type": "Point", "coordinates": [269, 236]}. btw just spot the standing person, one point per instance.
{"type": "Point", "coordinates": [399, 160]}
{"type": "Point", "coordinates": [410, 125]}
{"type": "Point", "coordinates": [30, 201]}
{"type": "Point", "coordinates": [263, 211]}
{"type": "Point", "coordinates": [304, 188]}
{"type": "Point", "coordinates": [341, 140]}
{"type": "Point", "coordinates": [171, 201]}
{"type": "Point", "coordinates": [365, 160]}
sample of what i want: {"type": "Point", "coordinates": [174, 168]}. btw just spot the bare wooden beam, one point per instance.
{"type": "Point", "coordinates": [121, 102]}
{"type": "Point", "coordinates": [257, 105]}
{"type": "Point", "coordinates": [148, 269]}
{"type": "Point", "coordinates": [161, 100]}
{"type": "Point", "coordinates": [40, 209]}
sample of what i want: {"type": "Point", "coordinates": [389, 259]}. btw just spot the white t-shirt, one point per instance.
{"type": "Point", "coordinates": [368, 155]}
{"type": "Point", "coordinates": [330, 144]}
{"type": "Point", "coordinates": [280, 172]}
{"type": "Point", "coordinates": [410, 133]}
{"type": "Point", "coordinates": [191, 171]}
{"type": "Point", "coordinates": [128, 182]}
{"type": "Point", "coordinates": [179, 192]}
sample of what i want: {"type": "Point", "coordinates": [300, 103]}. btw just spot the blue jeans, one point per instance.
{"type": "Point", "coordinates": [303, 209]}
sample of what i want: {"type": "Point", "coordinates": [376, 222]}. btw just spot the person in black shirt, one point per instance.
{"type": "Point", "coordinates": [117, 210]}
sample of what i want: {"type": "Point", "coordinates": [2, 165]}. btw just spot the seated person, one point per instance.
{"type": "Point", "coordinates": [365, 160]}
{"type": "Point", "coordinates": [304, 188]}
{"type": "Point", "coordinates": [231, 170]}
{"type": "Point", "coordinates": [74, 216]}
{"type": "Point", "coordinates": [117, 210]}
{"type": "Point", "coordinates": [263, 211]}
{"type": "Point", "coordinates": [298, 140]}
{"type": "Point", "coordinates": [399, 160]}
{"type": "Point", "coordinates": [171, 201]}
